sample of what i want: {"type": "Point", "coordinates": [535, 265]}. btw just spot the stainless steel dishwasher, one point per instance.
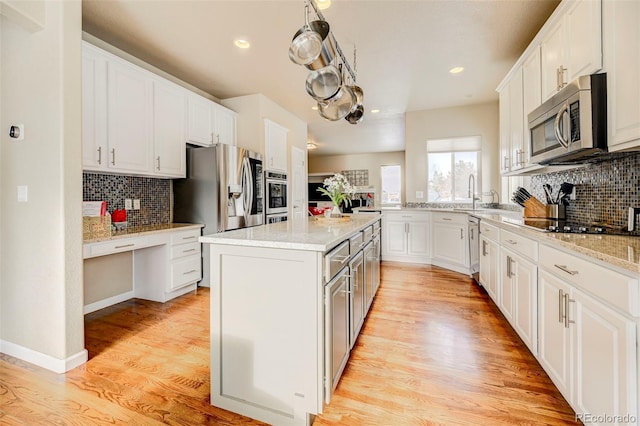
{"type": "Point", "coordinates": [474, 248]}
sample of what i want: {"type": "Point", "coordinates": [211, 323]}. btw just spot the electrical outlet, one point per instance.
{"type": "Point", "coordinates": [136, 204]}
{"type": "Point", "coordinates": [572, 196]}
{"type": "Point", "coordinates": [419, 194]}
{"type": "Point", "coordinates": [127, 204]}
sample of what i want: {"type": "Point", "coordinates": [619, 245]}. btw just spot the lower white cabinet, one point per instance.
{"type": "Point", "coordinates": [450, 244]}
{"type": "Point", "coordinates": [186, 261]}
{"type": "Point", "coordinates": [406, 237]}
{"type": "Point", "coordinates": [371, 268]}
{"type": "Point", "coordinates": [519, 296]}
{"type": "Point", "coordinates": [490, 267]}
{"type": "Point", "coordinates": [357, 291]}
{"type": "Point", "coordinates": [588, 350]}
{"type": "Point", "coordinates": [337, 323]}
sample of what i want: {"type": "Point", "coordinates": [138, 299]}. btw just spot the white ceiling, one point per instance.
{"type": "Point", "coordinates": [404, 52]}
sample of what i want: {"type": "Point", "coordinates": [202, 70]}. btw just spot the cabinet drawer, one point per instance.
{"type": "Point", "coordinates": [335, 260]}
{"type": "Point", "coordinates": [368, 233]}
{"type": "Point", "coordinates": [356, 242]}
{"type": "Point", "coordinates": [519, 244]}
{"type": "Point", "coordinates": [185, 271]}
{"type": "Point", "coordinates": [618, 289]}
{"type": "Point", "coordinates": [182, 250]}
{"type": "Point", "coordinates": [185, 236]}
{"type": "Point", "coordinates": [449, 217]}
{"type": "Point", "coordinates": [490, 232]}
{"type": "Point", "coordinates": [117, 246]}
{"type": "Point", "coordinates": [376, 227]}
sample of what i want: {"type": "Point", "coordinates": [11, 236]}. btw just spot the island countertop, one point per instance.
{"type": "Point", "coordinates": [309, 234]}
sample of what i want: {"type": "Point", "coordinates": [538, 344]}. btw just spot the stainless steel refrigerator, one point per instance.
{"type": "Point", "coordinates": [223, 190]}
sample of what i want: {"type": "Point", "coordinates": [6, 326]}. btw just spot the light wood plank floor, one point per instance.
{"type": "Point", "coordinates": [434, 350]}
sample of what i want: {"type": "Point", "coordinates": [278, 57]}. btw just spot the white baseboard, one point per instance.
{"type": "Point", "coordinates": [100, 304]}
{"type": "Point", "coordinates": [43, 360]}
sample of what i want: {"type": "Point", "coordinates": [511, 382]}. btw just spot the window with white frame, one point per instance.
{"type": "Point", "coordinates": [391, 182]}
{"type": "Point", "coordinates": [450, 162]}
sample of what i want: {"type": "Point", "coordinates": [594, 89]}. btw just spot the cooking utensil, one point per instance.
{"type": "Point", "coordinates": [306, 46]}
{"type": "Point", "coordinates": [357, 112]}
{"type": "Point", "coordinates": [339, 106]}
{"type": "Point", "coordinates": [548, 193]}
{"type": "Point", "coordinates": [324, 83]}
{"type": "Point", "coordinates": [318, 56]}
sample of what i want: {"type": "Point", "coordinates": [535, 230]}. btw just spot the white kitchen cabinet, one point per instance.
{"type": "Point", "coordinates": [337, 322]}
{"type": "Point", "coordinates": [169, 115]}
{"type": "Point", "coordinates": [275, 142]}
{"type": "Point", "coordinates": [516, 123]}
{"type": "Point", "coordinates": [224, 125]}
{"type": "Point", "coordinates": [490, 260]}
{"type": "Point", "coordinates": [370, 262]}
{"type": "Point", "coordinates": [94, 108]}
{"type": "Point", "coordinates": [573, 46]}
{"type": "Point", "coordinates": [356, 301]}
{"type": "Point", "coordinates": [531, 98]}
{"type": "Point", "coordinates": [406, 237]}
{"type": "Point", "coordinates": [449, 242]}
{"type": "Point", "coordinates": [621, 34]}
{"type": "Point", "coordinates": [199, 120]}
{"type": "Point", "coordinates": [505, 135]}
{"type": "Point", "coordinates": [129, 99]}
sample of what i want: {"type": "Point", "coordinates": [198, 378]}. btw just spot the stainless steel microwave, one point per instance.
{"type": "Point", "coordinates": [572, 125]}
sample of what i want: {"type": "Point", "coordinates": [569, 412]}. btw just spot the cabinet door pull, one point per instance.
{"type": "Point", "coordinates": [341, 259]}
{"type": "Point", "coordinates": [461, 234]}
{"type": "Point", "coordinates": [99, 155]}
{"type": "Point", "coordinates": [564, 268]}
{"type": "Point", "coordinates": [190, 250]}
{"type": "Point", "coordinates": [113, 156]}
{"type": "Point", "coordinates": [508, 266]}
{"type": "Point", "coordinates": [567, 300]}
{"type": "Point", "coordinates": [446, 218]}
{"type": "Point", "coordinates": [125, 245]}
{"type": "Point", "coordinates": [158, 159]}
{"type": "Point", "coordinates": [190, 272]}
{"type": "Point", "coordinates": [189, 237]}
{"type": "Point", "coordinates": [484, 248]}
{"type": "Point", "coordinates": [512, 242]}
{"type": "Point", "coordinates": [560, 306]}
{"type": "Point", "coordinates": [511, 261]}
{"type": "Point", "coordinates": [562, 71]}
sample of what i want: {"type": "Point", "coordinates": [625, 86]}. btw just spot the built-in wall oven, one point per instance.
{"type": "Point", "coordinates": [276, 196]}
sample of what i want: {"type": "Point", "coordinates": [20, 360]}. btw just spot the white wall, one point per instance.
{"type": "Point", "coordinates": [472, 120]}
{"type": "Point", "coordinates": [41, 258]}
{"type": "Point", "coordinates": [371, 162]}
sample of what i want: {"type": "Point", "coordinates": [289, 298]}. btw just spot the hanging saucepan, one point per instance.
{"type": "Point", "coordinates": [339, 106]}
{"type": "Point", "coordinates": [357, 112]}
{"type": "Point", "coordinates": [324, 83]}
{"type": "Point", "coordinates": [318, 58]}
{"type": "Point", "coordinates": [307, 43]}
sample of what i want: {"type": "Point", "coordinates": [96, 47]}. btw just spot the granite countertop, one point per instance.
{"type": "Point", "coordinates": [309, 233]}
{"type": "Point", "coordinates": [136, 231]}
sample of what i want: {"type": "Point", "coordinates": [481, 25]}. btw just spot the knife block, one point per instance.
{"type": "Point", "coordinates": [534, 208]}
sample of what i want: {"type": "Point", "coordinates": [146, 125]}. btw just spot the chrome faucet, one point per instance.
{"type": "Point", "coordinates": [472, 190]}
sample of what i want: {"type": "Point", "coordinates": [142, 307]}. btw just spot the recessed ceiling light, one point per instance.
{"type": "Point", "coordinates": [315, 107]}
{"type": "Point", "coordinates": [456, 70]}
{"type": "Point", "coordinates": [311, 145]}
{"type": "Point", "coordinates": [323, 4]}
{"type": "Point", "coordinates": [242, 44]}
{"type": "Point", "coordinates": [375, 111]}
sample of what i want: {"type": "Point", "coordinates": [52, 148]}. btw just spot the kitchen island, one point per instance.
{"type": "Point", "coordinates": [270, 344]}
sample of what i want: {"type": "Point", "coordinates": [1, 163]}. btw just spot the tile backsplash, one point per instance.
{"type": "Point", "coordinates": [154, 195]}
{"type": "Point", "coordinates": [604, 191]}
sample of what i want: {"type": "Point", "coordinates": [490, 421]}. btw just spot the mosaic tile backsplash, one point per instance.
{"type": "Point", "coordinates": [604, 191]}
{"type": "Point", "coordinates": [357, 177]}
{"type": "Point", "coordinates": [154, 196]}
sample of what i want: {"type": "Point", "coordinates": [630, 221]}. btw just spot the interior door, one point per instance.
{"type": "Point", "coordinates": [299, 182]}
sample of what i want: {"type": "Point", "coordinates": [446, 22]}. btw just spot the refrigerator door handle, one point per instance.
{"type": "Point", "coordinates": [247, 188]}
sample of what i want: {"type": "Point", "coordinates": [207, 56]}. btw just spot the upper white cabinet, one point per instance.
{"type": "Point", "coordinates": [622, 63]}
{"type": "Point", "coordinates": [224, 121]}
{"type": "Point", "coordinates": [573, 46]}
{"type": "Point", "coordinates": [531, 97]}
{"type": "Point", "coordinates": [94, 108]}
{"type": "Point", "coordinates": [199, 120]}
{"type": "Point", "coordinates": [275, 144]}
{"type": "Point", "coordinates": [169, 115]}
{"type": "Point", "coordinates": [129, 115]}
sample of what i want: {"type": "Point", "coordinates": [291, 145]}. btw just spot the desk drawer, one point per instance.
{"type": "Point", "coordinates": [519, 244]}
{"type": "Point", "coordinates": [117, 246]}
{"type": "Point", "coordinates": [182, 250]}
{"type": "Point", "coordinates": [356, 243]}
{"type": "Point", "coordinates": [185, 271]}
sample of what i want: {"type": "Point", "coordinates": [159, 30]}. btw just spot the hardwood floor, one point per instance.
{"type": "Point", "coordinates": [434, 350]}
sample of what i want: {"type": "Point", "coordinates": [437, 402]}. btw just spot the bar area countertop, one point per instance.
{"type": "Point", "coordinates": [308, 234]}
{"type": "Point", "coordinates": [145, 229]}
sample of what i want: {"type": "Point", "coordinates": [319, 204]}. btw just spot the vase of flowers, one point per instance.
{"type": "Point", "coordinates": [339, 190]}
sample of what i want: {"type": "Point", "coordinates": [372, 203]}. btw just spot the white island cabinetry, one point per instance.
{"type": "Point", "coordinates": [284, 314]}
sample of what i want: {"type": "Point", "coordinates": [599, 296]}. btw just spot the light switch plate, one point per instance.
{"type": "Point", "coordinates": [127, 204]}
{"type": "Point", "coordinates": [136, 204]}
{"type": "Point", "coordinates": [419, 194]}
{"type": "Point", "coordinates": [23, 193]}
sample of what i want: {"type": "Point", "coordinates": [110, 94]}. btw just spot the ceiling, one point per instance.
{"type": "Point", "coordinates": [404, 51]}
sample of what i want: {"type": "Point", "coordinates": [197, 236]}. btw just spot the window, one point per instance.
{"type": "Point", "coordinates": [449, 164]}
{"type": "Point", "coordinates": [391, 184]}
